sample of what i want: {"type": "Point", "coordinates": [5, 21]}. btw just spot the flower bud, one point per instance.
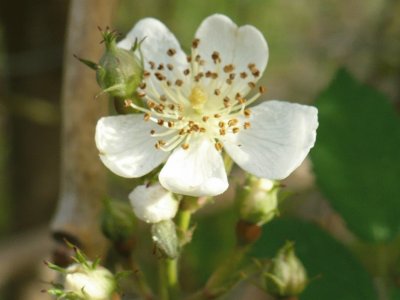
{"type": "Point", "coordinates": [153, 203]}
{"type": "Point", "coordinates": [117, 220]}
{"type": "Point", "coordinates": [285, 276]}
{"type": "Point", "coordinates": [88, 283]}
{"type": "Point", "coordinates": [258, 201]}
{"type": "Point", "coordinates": [165, 238]}
{"type": "Point", "coordinates": [119, 71]}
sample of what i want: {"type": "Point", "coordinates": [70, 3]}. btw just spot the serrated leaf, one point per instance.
{"type": "Point", "coordinates": [333, 270]}
{"type": "Point", "coordinates": [357, 157]}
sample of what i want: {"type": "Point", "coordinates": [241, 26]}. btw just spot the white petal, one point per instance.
{"type": "Point", "coordinates": [126, 146]}
{"type": "Point", "coordinates": [280, 137]}
{"type": "Point", "coordinates": [158, 40]}
{"type": "Point", "coordinates": [153, 204]}
{"type": "Point", "coordinates": [197, 171]}
{"type": "Point", "coordinates": [239, 46]}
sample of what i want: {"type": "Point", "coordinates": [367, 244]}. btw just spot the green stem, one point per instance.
{"type": "Point", "coordinates": [172, 278]}
{"type": "Point", "coordinates": [163, 286]}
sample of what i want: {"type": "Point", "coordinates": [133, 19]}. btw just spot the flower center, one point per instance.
{"type": "Point", "coordinates": [197, 98]}
{"type": "Point", "coordinates": [206, 99]}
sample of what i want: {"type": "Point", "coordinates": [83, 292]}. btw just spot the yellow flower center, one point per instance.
{"type": "Point", "coordinates": [197, 98]}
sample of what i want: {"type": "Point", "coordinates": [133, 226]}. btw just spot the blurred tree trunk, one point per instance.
{"type": "Point", "coordinates": [33, 36]}
{"type": "Point", "coordinates": [83, 177]}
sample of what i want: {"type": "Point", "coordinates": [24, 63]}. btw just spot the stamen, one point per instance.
{"type": "Point", "coordinates": [215, 57]}
{"type": "Point", "coordinates": [247, 113]}
{"type": "Point", "coordinates": [185, 146]}
{"type": "Point", "coordinates": [246, 125]}
{"type": "Point", "coordinates": [160, 67]}
{"type": "Point", "coordinates": [218, 146]}
{"type": "Point", "coordinates": [235, 129]}
{"type": "Point", "coordinates": [171, 52]}
{"type": "Point", "coordinates": [146, 116]}
{"type": "Point", "coordinates": [229, 68]}
{"type": "Point", "coordinates": [195, 43]}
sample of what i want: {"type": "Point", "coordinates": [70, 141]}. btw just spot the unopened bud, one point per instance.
{"type": "Point", "coordinates": [96, 283]}
{"type": "Point", "coordinates": [165, 238]}
{"type": "Point", "coordinates": [117, 220]}
{"type": "Point", "coordinates": [119, 71]}
{"type": "Point", "coordinates": [258, 201]}
{"type": "Point", "coordinates": [153, 203]}
{"type": "Point", "coordinates": [285, 276]}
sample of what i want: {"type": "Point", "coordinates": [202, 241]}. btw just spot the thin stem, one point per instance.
{"type": "Point", "coordinates": [172, 278]}
{"type": "Point", "coordinates": [163, 286]}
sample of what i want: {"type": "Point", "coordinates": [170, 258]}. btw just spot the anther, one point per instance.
{"type": "Point", "coordinates": [159, 76]}
{"type": "Point", "coordinates": [217, 92]}
{"type": "Point", "coordinates": [170, 124]}
{"type": "Point", "coordinates": [218, 146]}
{"type": "Point", "coordinates": [189, 58]}
{"type": "Point", "coordinates": [238, 96]}
{"type": "Point", "coordinates": [142, 85]}
{"type": "Point", "coordinates": [222, 131]}
{"type": "Point", "coordinates": [195, 43]}
{"type": "Point", "coordinates": [146, 74]}
{"type": "Point", "coordinates": [205, 118]}
{"type": "Point", "coordinates": [186, 72]}
{"type": "Point", "coordinates": [229, 68]}
{"type": "Point", "coordinates": [152, 65]}
{"type": "Point", "coordinates": [262, 89]}
{"type": "Point", "coordinates": [178, 82]}
{"type": "Point", "coordinates": [151, 104]}
{"type": "Point", "coordinates": [168, 83]}
{"type": "Point", "coordinates": [171, 106]}
{"type": "Point", "coordinates": [232, 76]}
{"type": "Point", "coordinates": [232, 122]}
{"type": "Point", "coordinates": [170, 67]}
{"type": "Point", "coordinates": [247, 113]}
{"type": "Point", "coordinates": [243, 75]}
{"type": "Point", "coordinates": [185, 146]}
{"type": "Point", "coordinates": [221, 124]}
{"type": "Point", "coordinates": [229, 81]}
{"type": "Point", "coordinates": [235, 129]}
{"type": "Point", "coordinates": [146, 116]}
{"type": "Point", "coordinates": [127, 103]}
{"type": "Point", "coordinates": [251, 84]}
{"type": "Point", "coordinates": [160, 122]}
{"type": "Point", "coordinates": [171, 52]}
{"type": "Point", "coordinates": [246, 125]}
{"type": "Point", "coordinates": [163, 98]}
{"type": "Point", "coordinates": [215, 57]}
{"type": "Point", "coordinates": [152, 131]}
{"type": "Point", "coordinates": [160, 67]}
{"type": "Point", "coordinates": [217, 116]}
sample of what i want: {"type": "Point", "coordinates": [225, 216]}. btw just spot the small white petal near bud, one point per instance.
{"type": "Point", "coordinates": [93, 284]}
{"type": "Point", "coordinates": [153, 203]}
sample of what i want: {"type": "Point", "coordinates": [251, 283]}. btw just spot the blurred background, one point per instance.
{"type": "Point", "coordinates": [309, 42]}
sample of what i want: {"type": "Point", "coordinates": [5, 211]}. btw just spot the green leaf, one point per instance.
{"type": "Point", "coordinates": [357, 157]}
{"type": "Point", "coordinates": [333, 271]}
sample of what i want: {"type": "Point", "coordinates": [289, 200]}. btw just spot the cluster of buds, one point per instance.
{"type": "Point", "coordinates": [83, 280]}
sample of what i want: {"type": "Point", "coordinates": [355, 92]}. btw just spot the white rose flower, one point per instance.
{"type": "Point", "coordinates": [197, 106]}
